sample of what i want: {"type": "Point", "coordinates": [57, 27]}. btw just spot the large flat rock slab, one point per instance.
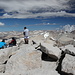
{"type": "Point", "coordinates": [49, 49]}
{"type": "Point", "coordinates": [68, 64]}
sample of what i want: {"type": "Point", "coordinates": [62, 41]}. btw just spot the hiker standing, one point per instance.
{"type": "Point", "coordinates": [26, 35]}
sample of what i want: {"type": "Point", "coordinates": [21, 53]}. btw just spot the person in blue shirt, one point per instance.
{"type": "Point", "coordinates": [2, 44]}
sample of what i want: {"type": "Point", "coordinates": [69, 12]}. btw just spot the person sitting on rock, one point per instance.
{"type": "Point", "coordinates": [13, 42]}
{"type": "Point", "coordinates": [3, 44]}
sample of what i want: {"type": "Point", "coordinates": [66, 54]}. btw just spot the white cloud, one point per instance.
{"type": "Point", "coordinates": [43, 14]}
{"type": "Point", "coordinates": [69, 28]}
{"type": "Point", "coordinates": [6, 15]}
{"type": "Point", "coordinates": [2, 24]}
{"type": "Point", "coordinates": [35, 8]}
{"type": "Point", "coordinates": [43, 24]}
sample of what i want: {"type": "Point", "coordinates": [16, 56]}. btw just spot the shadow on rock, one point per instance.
{"type": "Point", "coordinates": [45, 57]}
{"type": "Point", "coordinates": [59, 67]}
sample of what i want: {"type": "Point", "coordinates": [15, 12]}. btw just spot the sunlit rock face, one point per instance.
{"type": "Point", "coordinates": [68, 64]}
{"type": "Point", "coordinates": [25, 59]}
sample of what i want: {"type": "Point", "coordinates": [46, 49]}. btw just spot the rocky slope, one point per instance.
{"type": "Point", "coordinates": [51, 54]}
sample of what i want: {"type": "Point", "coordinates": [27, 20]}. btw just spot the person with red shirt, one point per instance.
{"type": "Point", "coordinates": [13, 42]}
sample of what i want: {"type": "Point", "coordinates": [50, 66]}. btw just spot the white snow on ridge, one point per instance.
{"type": "Point", "coordinates": [46, 35]}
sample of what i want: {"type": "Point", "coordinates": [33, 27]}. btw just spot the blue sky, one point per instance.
{"type": "Point", "coordinates": [36, 14]}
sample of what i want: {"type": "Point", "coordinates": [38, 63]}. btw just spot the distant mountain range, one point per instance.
{"type": "Point", "coordinates": [73, 32]}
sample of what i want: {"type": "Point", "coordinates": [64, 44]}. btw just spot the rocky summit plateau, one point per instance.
{"type": "Point", "coordinates": [48, 53]}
